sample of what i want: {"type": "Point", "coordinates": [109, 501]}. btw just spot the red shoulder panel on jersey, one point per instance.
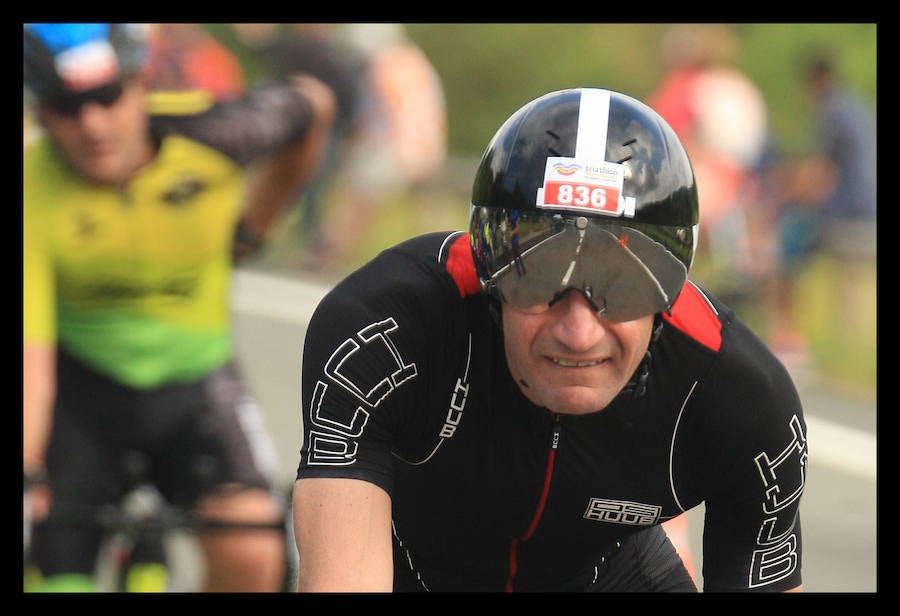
{"type": "Point", "coordinates": [462, 267]}
{"type": "Point", "coordinates": [693, 314]}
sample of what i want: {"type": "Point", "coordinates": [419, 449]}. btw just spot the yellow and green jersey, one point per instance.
{"type": "Point", "coordinates": [135, 281]}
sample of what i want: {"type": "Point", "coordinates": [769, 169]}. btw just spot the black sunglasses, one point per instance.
{"type": "Point", "coordinates": [70, 104]}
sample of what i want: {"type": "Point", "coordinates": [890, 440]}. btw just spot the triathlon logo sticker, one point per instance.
{"type": "Point", "coordinates": [573, 184]}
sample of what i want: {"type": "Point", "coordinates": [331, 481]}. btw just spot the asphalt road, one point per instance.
{"type": "Point", "coordinates": [839, 507]}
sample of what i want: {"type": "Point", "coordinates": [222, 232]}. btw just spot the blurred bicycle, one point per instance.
{"type": "Point", "coordinates": [149, 543]}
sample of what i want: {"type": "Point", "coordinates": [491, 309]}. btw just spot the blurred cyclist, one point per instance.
{"type": "Point", "coordinates": [474, 425]}
{"type": "Point", "coordinates": [131, 225]}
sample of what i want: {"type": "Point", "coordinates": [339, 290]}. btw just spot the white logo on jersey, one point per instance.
{"type": "Point", "coordinates": [777, 555]}
{"type": "Point", "coordinates": [622, 512]}
{"type": "Point", "coordinates": [333, 442]}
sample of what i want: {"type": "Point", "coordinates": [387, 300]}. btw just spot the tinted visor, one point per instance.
{"type": "Point", "coordinates": [626, 271]}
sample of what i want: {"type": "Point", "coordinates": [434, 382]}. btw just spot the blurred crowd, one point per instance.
{"type": "Point", "coordinates": [390, 134]}
{"type": "Point", "coordinates": [766, 214]}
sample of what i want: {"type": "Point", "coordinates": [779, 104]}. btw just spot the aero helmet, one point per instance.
{"type": "Point", "coordinates": [61, 58]}
{"type": "Point", "coordinates": [585, 189]}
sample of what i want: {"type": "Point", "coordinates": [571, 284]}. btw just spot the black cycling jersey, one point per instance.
{"type": "Point", "coordinates": [405, 384]}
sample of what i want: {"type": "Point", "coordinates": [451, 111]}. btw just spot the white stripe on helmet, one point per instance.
{"type": "Point", "coordinates": [593, 119]}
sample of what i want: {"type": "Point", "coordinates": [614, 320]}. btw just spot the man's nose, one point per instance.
{"type": "Point", "coordinates": [598, 303]}
{"type": "Point", "coordinates": [92, 116]}
{"type": "Point", "coordinates": [578, 322]}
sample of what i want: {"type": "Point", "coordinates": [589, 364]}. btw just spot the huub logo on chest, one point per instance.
{"type": "Point", "coordinates": [622, 512]}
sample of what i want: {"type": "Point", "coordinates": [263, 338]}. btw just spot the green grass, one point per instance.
{"type": "Point", "coordinates": [839, 301]}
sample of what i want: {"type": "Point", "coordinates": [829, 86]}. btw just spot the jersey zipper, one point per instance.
{"type": "Point", "coordinates": [548, 473]}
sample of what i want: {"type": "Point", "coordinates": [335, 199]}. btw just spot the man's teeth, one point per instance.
{"type": "Point", "coordinates": [575, 364]}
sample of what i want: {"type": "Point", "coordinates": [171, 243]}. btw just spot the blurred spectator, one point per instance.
{"type": "Point", "coordinates": [316, 49]}
{"type": "Point", "coordinates": [132, 224]}
{"type": "Point", "coordinates": [313, 48]}
{"type": "Point", "coordinates": [828, 200]}
{"type": "Point", "coordinates": [845, 127]}
{"type": "Point", "coordinates": [391, 132]}
{"type": "Point", "coordinates": [403, 109]}
{"type": "Point", "coordinates": [188, 69]}
{"type": "Point", "coordinates": [401, 138]}
{"type": "Point", "coordinates": [721, 117]}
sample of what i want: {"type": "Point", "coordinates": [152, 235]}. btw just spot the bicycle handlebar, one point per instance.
{"type": "Point", "coordinates": [163, 517]}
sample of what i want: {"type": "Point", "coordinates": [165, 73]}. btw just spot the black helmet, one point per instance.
{"type": "Point", "coordinates": [587, 189]}
{"type": "Point", "coordinates": [62, 58]}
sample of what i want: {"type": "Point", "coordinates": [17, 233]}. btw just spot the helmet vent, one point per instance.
{"type": "Point", "coordinates": [555, 137]}
{"type": "Point", "coordinates": [625, 144]}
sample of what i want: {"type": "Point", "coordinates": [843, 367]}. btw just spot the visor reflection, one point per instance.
{"type": "Point", "coordinates": [623, 272]}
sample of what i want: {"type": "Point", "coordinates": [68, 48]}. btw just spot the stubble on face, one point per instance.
{"type": "Point", "coordinates": [570, 361]}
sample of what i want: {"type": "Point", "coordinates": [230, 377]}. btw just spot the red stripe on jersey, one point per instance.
{"type": "Point", "coordinates": [462, 267]}
{"type": "Point", "coordinates": [693, 315]}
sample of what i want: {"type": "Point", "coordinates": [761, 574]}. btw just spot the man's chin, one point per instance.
{"type": "Point", "coordinates": [102, 171]}
{"type": "Point", "coordinates": [579, 401]}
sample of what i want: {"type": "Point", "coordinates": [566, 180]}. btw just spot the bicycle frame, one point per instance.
{"type": "Point", "coordinates": [150, 545]}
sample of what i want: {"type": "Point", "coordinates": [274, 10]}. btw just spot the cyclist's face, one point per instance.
{"type": "Point", "coordinates": [104, 140]}
{"type": "Point", "coordinates": [568, 359]}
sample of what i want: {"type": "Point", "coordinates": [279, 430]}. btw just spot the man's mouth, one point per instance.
{"type": "Point", "coordinates": [575, 364]}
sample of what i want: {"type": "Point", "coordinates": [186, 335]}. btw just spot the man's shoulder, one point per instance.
{"type": "Point", "coordinates": [698, 315]}
{"type": "Point", "coordinates": [413, 259]}
{"type": "Point", "coordinates": [428, 243]}
{"type": "Point", "coordinates": [448, 251]}
{"type": "Point", "coordinates": [744, 364]}
{"type": "Point", "coordinates": [180, 150]}
{"type": "Point", "coordinates": [404, 290]}
{"type": "Point", "coordinates": [417, 274]}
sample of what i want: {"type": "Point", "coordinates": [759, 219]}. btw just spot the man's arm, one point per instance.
{"type": "Point", "coordinates": [275, 181]}
{"type": "Point", "coordinates": [343, 533]}
{"type": "Point", "coordinates": [38, 393]}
